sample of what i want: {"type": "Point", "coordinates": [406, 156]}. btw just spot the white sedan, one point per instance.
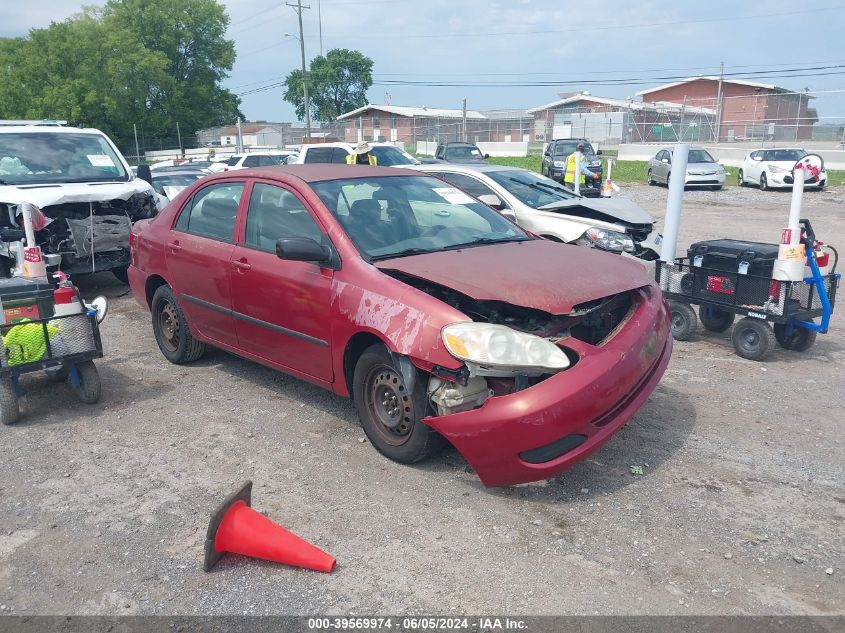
{"type": "Point", "coordinates": [771, 168]}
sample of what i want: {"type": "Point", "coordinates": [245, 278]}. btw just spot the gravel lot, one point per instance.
{"type": "Point", "coordinates": [103, 509]}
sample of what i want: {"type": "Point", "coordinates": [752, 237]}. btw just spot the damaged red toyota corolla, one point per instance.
{"type": "Point", "coordinates": [440, 318]}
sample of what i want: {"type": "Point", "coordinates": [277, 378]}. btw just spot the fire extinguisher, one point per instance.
{"type": "Point", "coordinates": [66, 297]}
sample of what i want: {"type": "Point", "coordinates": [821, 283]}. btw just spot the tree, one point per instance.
{"type": "Point", "coordinates": [148, 62]}
{"type": "Point", "coordinates": [337, 82]}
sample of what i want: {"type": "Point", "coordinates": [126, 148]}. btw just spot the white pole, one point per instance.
{"type": "Point", "coordinates": [674, 203]}
{"type": "Point", "coordinates": [240, 147]}
{"type": "Point", "coordinates": [577, 183]}
{"type": "Point", "coordinates": [789, 265]}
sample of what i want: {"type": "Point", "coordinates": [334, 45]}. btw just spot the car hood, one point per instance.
{"type": "Point", "coordinates": [611, 210]}
{"type": "Point", "coordinates": [45, 195]}
{"type": "Point", "coordinates": [538, 274]}
{"type": "Point", "coordinates": [703, 166]}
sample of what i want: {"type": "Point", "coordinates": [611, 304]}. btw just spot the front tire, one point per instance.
{"type": "Point", "coordinates": [764, 183]}
{"type": "Point", "coordinates": [121, 274]}
{"type": "Point", "coordinates": [650, 180]}
{"type": "Point", "coordinates": [714, 319]}
{"type": "Point", "coordinates": [800, 340]}
{"type": "Point", "coordinates": [171, 329]}
{"type": "Point", "coordinates": [89, 387]}
{"type": "Point", "coordinates": [752, 339]}
{"type": "Point", "coordinates": [390, 413]}
{"type": "Point", "coordinates": [683, 323]}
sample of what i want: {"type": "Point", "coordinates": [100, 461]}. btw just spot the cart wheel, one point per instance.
{"type": "Point", "coordinates": [714, 319]}
{"type": "Point", "coordinates": [88, 388]}
{"type": "Point", "coordinates": [58, 374]}
{"type": "Point", "coordinates": [800, 340]}
{"type": "Point", "coordinates": [9, 408]}
{"type": "Point", "coordinates": [683, 322]}
{"type": "Point", "coordinates": [752, 338]}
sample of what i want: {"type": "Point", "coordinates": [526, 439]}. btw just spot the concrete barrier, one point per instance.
{"type": "Point", "coordinates": [728, 155]}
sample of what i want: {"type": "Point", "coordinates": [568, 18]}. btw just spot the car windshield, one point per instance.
{"type": "Point", "coordinates": [565, 149]}
{"type": "Point", "coordinates": [44, 157]}
{"type": "Point", "coordinates": [179, 181]}
{"type": "Point", "coordinates": [531, 189]}
{"type": "Point", "coordinates": [405, 215]}
{"type": "Point", "coordinates": [463, 151]}
{"type": "Point", "coordinates": [700, 156]}
{"type": "Point", "coordinates": [784, 155]}
{"type": "Point", "coordinates": [391, 156]}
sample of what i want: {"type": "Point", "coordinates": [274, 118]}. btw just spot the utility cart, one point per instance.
{"type": "Point", "coordinates": [37, 339]}
{"type": "Point", "coordinates": [726, 278]}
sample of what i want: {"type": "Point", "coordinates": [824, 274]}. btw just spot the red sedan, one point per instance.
{"type": "Point", "coordinates": [437, 316]}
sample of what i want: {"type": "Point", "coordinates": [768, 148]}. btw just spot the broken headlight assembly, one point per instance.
{"type": "Point", "coordinates": [497, 350]}
{"type": "Point", "coordinates": [608, 240]}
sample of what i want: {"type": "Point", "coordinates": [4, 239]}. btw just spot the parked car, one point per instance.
{"type": "Point", "coordinates": [702, 169]}
{"type": "Point", "coordinates": [459, 153]}
{"type": "Point", "coordinates": [178, 163]}
{"type": "Point", "coordinates": [169, 181]}
{"type": "Point", "coordinates": [554, 162]}
{"type": "Point", "coordinates": [440, 318]}
{"type": "Point", "coordinates": [386, 154]}
{"type": "Point", "coordinates": [81, 181]}
{"type": "Point", "coordinates": [771, 168]}
{"type": "Point", "coordinates": [252, 159]}
{"type": "Point", "coordinates": [546, 208]}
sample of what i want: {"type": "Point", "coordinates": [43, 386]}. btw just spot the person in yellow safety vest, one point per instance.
{"type": "Point", "coordinates": [569, 174]}
{"type": "Point", "coordinates": [361, 156]}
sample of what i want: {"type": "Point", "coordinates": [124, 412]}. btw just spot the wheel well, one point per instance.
{"type": "Point", "coordinates": [154, 282]}
{"type": "Point", "coordinates": [354, 348]}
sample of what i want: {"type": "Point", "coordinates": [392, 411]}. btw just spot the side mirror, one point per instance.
{"type": "Point", "coordinates": [145, 174]}
{"type": "Point", "coordinates": [758, 158]}
{"type": "Point", "coordinates": [598, 152]}
{"type": "Point", "coordinates": [664, 160]}
{"type": "Point", "coordinates": [302, 249]}
{"type": "Point", "coordinates": [486, 156]}
{"type": "Point", "coordinates": [492, 200]}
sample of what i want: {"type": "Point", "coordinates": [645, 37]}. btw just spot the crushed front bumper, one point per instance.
{"type": "Point", "coordinates": [543, 430]}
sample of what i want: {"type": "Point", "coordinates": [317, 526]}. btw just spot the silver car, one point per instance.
{"type": "Point", "coordinates": [702, 169]}
{"type": "Point", "coordinates": [544, 207]}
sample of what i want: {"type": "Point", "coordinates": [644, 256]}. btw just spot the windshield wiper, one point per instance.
{"type": "Point", "coordinates": [402, 253]}
{"type": "Point", "coordinates": [487, 240]}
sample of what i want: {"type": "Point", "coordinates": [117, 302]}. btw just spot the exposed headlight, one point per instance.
{"type": "Point", "coordinates": [609, 240]}
{"type": "Point", "coordinates": [500, 350]}
{"type": "Point", "coordinates": [595, 163]}
{"type": "Point", "coordinates": [775, 169]}
{"type": "Point", "coordinates": [559, 163]}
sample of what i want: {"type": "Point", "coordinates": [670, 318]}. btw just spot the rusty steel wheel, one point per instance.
{"type": "Point", "coordinates": [171, 329]}
{"type": "Point", "coordinates": [391, 407]}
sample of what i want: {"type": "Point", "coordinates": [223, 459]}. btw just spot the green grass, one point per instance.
{"type": "Point", "coordinates": [627, 171]}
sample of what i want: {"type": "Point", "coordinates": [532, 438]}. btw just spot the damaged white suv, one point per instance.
{"type": "Point", "coordinates": [82, 183]}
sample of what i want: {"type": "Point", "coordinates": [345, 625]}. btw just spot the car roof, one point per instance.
{"type": "Point", "coordinates": [459, 143]}
{"type": "Point", "coordinates": [50, 129]}
{"type": "Point", "coordinates": [164, 171]}
{"type": "Point", "coordinates": [481, 167]}
{"type": "Point", "coordinates": [313, 172]}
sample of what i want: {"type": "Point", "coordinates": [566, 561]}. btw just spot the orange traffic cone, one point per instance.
{"type": "Point", "coordinates": [239, 529]}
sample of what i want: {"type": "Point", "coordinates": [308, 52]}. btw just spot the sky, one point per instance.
{"type": "Point", "coordinates": [518, 41]}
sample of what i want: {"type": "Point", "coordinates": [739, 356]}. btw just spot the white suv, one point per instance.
{"type": "Point", "coordinates": [386, 154]}
{"type": "Point", "coordinates": [252, 159]}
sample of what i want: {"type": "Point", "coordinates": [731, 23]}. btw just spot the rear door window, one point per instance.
{"type": "Point", "coordinates": [339, 155]}
{"type": "Point", "coordinates": [319, 155]}
{"type": "Point", "coordinates": [212, 211]}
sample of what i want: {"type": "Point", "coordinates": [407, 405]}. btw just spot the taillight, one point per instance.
{"type": "Point", "coordinates": [131, 239]}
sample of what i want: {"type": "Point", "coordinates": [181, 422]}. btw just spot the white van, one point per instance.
{"type": "Point", "coordinates": [387, 155]}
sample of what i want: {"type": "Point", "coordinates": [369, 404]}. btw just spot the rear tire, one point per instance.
{"type": "Point", "coordinates": [752, 339]}
{"type": "Point", "coordinates": [740, 179]}
{"type": "Point", "coordinates": [390, 414]}
{"type": "Point", "coordinates": [171, 329]}
{"type": "Point", "coordinates": [9, 408]}
{"type": "Point", "coordinates": [89, 386]}
{"type": "Point", "coordinates": [714, 319]}
{"type": "Point", "coordinates": [800, 340]}
{"type": "Point", "coordinates": [650, 180]}
{"type": "Point", "coordinates": [683, 323]}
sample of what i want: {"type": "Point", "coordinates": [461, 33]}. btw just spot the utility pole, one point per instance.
{"type": "Point", "coordinates": [240, 145]}
{"type": "Point", "coordinates": [320, 25]}
{"type": "Point", "coordinates": [465, 120]}
{"type": "Point", "coordinates": [298, 7]}
{"type": "Point", "coordinates": [719, 102]}
{"type": "Point", "coordinates": [137, 149]}
{"type": "Point", "coordinates": [179, 136]}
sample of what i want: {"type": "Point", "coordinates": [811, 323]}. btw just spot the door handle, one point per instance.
{"type": "Point", "coordinates": [242, 266]}
{"type": "Point", "coordinates": [174, 246]}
